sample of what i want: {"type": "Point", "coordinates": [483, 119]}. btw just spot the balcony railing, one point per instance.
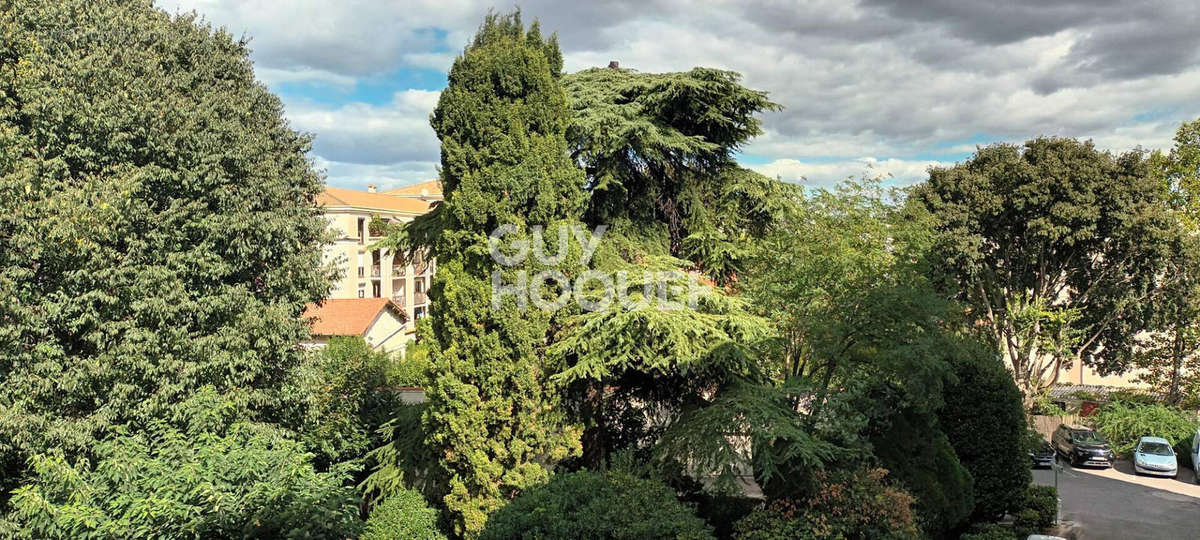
{"type": "Point", "coordinates": [399, 298]}
{"type": "Point", "coordinates": [375, 271]}
{"type": "Point", "coordinates": [419, 298]}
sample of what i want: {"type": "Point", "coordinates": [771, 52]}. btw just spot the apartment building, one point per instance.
{"type": "Point", "coordinates": [357, 218]}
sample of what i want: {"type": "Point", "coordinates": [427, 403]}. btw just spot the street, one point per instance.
{"type": "Point", "coordinates": [1102, 504]}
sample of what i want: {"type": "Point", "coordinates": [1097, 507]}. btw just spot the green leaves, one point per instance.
{"type": "Point", "coordinates": [157, 226]}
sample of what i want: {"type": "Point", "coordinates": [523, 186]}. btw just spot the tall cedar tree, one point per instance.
{"type": "Point", "coordinates": [1055, 246]}
{"type": "Point", "coordinates": [659, 149]}
{"type": "Point", "coordinates": [157, 225]}
{"type": "Point", "coordinates": [491, 419]}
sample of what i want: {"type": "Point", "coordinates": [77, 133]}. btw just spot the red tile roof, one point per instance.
{"type": "Point", "coordinates": [348, 316]}
{"type": "Point", "coordinates": [342, 197]}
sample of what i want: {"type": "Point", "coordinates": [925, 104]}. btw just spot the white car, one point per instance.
{"type": "Point", "coordinates": [1154, 455]}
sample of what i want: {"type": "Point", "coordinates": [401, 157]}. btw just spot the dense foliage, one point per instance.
{"type": "Point", "coordinates": [250, 482]}
{"type": "Point", "coordinates": [1055, 246]}
{"type": "Point", "coordinates": [983, 419]}
{"type": "Point", "coordinates": [1124, 423]}
{"type": "Point", "coordinates": [587, 504]}
{"type": "Point", "coordinates": [157, 229]}
{"type": "Point", "coordinates": [658, 149]}
{"type": "Point", "coordinates": [403, 515]}
{"type": "Point", "coordinates": [491, 420]}
{"type": "Point", "coordinates": [348, 393]}
{"type": "Point", "coordinates": [848, 505]}
{"type": "Point", "coordinates": [920, 457]}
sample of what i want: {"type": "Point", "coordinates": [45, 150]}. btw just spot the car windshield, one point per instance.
{"type": "Point", "coordinates": [1088, 437]}
{"type": "Point", "coordinates": [1156, 449]}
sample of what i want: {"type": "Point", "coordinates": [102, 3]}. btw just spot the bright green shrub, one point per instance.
{"type": "Point", "coordinates": [985, 423]}
{"type": "Point", "coordinates": [858, 504]}
{"type": "Point", "coordinates": [405, 515]}
{"type": "Point", "coordinates": [251, 482]}
{"type": "Point", "coordinates": [585, 504]}
{"type": "Point", "coordinates": [1123, 423]}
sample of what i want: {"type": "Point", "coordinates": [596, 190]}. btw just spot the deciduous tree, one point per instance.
{"type": "Point", "coordinates": [1054, 245]}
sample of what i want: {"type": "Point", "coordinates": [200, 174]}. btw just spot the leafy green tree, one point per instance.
{"type": "Point", "coordinates": [590, 504]}
{"type": "Point", "coordinates": [984, 421]}
{"type": "Point", "coordinates": [491, 420]}
{"type": "Point", "coordinates": [204, 481]}
{"type": "Point", "coordinates": [1167, 355]}
{"type": "Point", "coordinates": [1054, 245]}
{"type": "Point", "coordinates": [157, 225]}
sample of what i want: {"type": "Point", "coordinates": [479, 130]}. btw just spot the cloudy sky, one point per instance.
{"type": "Point", "coordinates": [873, 87]}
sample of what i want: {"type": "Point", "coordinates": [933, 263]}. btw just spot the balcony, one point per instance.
{"type": "Point", "coordinates": [375, 271]}
{"type": "Point", "coordinates": [419, 298]}
{"type": "Point", "coordinates": [399, 270]}
{"type": "Point", "coordinates": [398, 298]}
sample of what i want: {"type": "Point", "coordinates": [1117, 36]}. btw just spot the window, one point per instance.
{"type": "Point", "coordinates": [376, 289]}
{"type": "Point", "coordinates": [362, 293]}
{"type": "Point", "coordinates": [362, 230]}
{"type": "Point", "coordinates": [419, 313]}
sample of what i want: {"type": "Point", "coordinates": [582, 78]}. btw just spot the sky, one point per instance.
{"type": "Point", "coordinates": [869, 87]}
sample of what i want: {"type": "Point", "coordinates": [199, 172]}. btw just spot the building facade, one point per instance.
{"type": "Point", "coordinates": [357, 219]}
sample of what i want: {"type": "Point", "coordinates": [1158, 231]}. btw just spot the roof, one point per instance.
{"type": "Point", "coordinates": [348, 316]}
{"type": "Point", "coordinates": [1095, 392]}
{"type": "Point", "coordinates": [430, 188]}
{"type": "Point", "coordinates": [342, 197]}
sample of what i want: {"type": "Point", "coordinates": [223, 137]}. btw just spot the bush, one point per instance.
{"type": "Point", "coordinates": [1123, 423]}
{"type": "Point", "coordinates": [989, 531]}
{"type": "Point", "coordinates": [1042, 501]}
{"type": "Point", "coordinates": [585, 504]}
{"type": "Point", "coordinates": [985, 423]}
{"type": "Point", "coordinates": [348, 395]}
{"type": "Point", "coordinates": [249, 483]}
{"type": "Point", "coordinates": [403, 515]}
{"type": "Point", "coordinates": [921, 458]}
{"type": "Point", "coordinates": [848, 504]}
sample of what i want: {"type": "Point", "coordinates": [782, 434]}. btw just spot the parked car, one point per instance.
{"type": "Point", "coordinates": [1082, 446]}
{"type": "Point", "coordinates": [1154, 455]}
{"type": "Point", "coordinates": [1196, 456]}
{"type": "Point", "coordinates": [1042, 457]}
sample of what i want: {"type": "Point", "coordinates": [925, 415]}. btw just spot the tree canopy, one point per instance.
{"type": "Point", "coordinates": [157, 226]}
{"type": "Point", "coordinates": [1054, 245]}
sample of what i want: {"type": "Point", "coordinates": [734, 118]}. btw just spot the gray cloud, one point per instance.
{"type": "Point", "coordinates": [875, 81]}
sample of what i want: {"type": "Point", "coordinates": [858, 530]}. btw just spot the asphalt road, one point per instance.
{"type": "Point", "coordinates": [1102, 504]}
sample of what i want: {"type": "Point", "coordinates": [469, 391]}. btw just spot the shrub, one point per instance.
{"type": "Point", "coordinates": [348, 395]}
{"type": "Point", "coordinates": [985, 423]}
{"type": "Point", "coordinates": [921, 458]}
{"type": "Point", "coordinates": [1123, 423]}
{"type": "Point", "coordinates": [249, 483]}
{"type": "Point", "coordinates": [585, 504]}
{"type": "Point", "coordinates": [1043, 502]}
{"type": "Point", "coordinates": [989, 531]}
{"type": "Point", "coordinates": [403, 515]}
{"type": "Point", "coordinates": [848, 504]}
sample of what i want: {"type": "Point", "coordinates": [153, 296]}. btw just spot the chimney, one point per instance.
{"type": "Point", "coordinates": [370, 188]}
{"type": "Point", "coordinates": [614, 65]}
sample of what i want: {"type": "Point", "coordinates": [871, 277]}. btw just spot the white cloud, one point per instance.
{"type": "Point", "coordinates": [371, 134]}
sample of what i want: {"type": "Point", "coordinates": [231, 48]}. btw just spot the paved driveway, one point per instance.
{"type": "Point", "coordinates": [1101, 504]}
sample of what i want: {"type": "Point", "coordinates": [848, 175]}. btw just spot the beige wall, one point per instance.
{"type": "Point", "coordinates": [388, 334]}
{"type": "Point", "coordinates": [349, 252]}
{"type": "Point", "coordinates": [1086, 375]}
